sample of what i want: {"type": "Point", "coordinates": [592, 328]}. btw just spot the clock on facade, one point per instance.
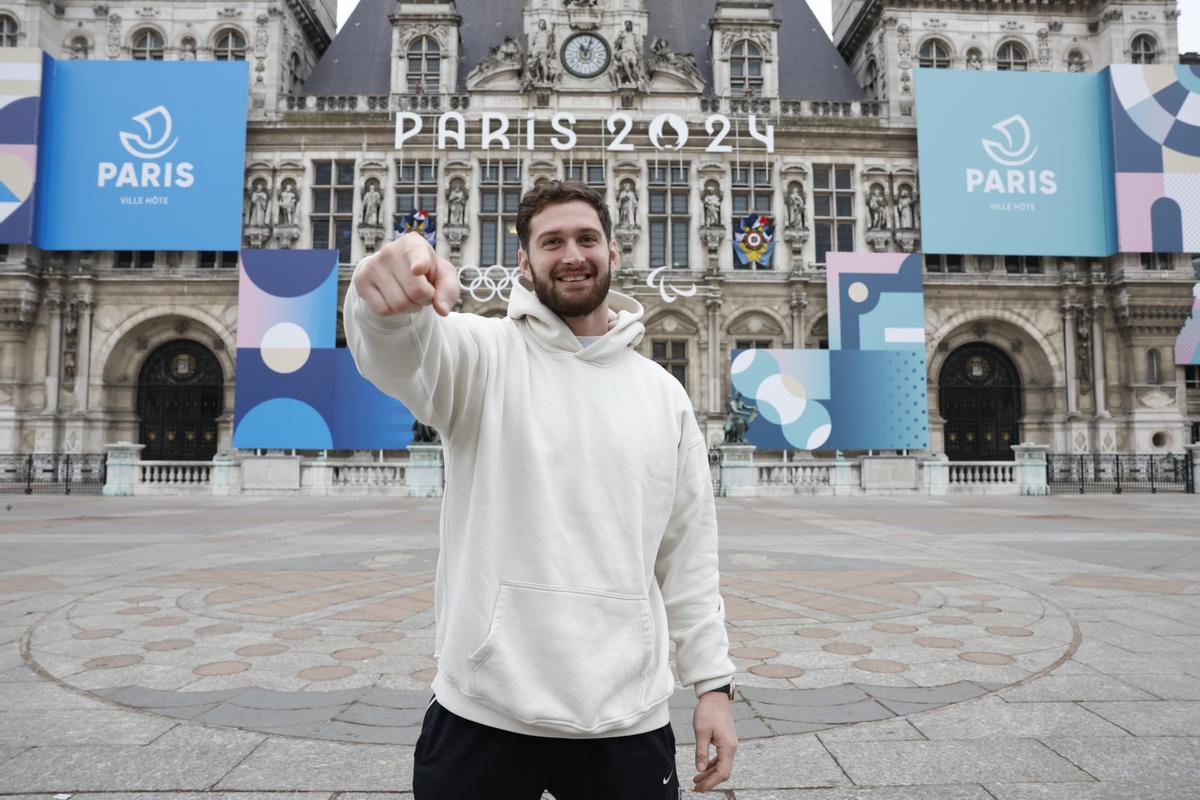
{"type": "Point", "coordinates": [585, 55]}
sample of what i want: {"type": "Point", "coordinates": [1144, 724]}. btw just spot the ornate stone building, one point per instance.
{"type": "Point", "coordinates": [1073, 353]}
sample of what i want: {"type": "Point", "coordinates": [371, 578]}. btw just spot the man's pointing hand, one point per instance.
{"type": "Point", "coordinates": [406, 275]}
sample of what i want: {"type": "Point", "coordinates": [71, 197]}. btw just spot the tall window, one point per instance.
{"type": "Point", "coordinates": [3, 252]}
{"type": "Point", "coordinates": [8, 31]}
{"type": "Point", "coordinates": [230, 46]}
{"type": "Point", "coordinates": [134, 259]}
{"type": "Point", "coordinates": [333, 207]}
{"type": "Point", "coordinates": [1156, 260]}
{"type": "Point", "coordinates": [1030, 265]}
{"type": "Point", "coordinates": [934, 53]}
{"type": "Point", "coordinates": [588, 172]}
{"type": "Point", "coordinates": [1191, 377]}
{"type": "Point", "coordinates": [225, 259]}
{"type": "Point", "coordinates": [752, 190]}
{"type": "Point", "coordinates": [424, 65]}
{"type": "Point", "coordinates": [416, 189]}
{"type": "Point", "coordinates": [752, 344]}
{"type": "Point", "coordinates": [499, 198]}
{"type": "Point", "coordinates": [1153, 372]}
{"type": "Point", "coordinates": [943, 263]}
{"type": "Point", "coordinates": [745, 69]}
{"type": "Point", "coordinates": [672, 355]}
{"type": "Point", "coordinates": [1012, 57]}
{"type": "Point", "coordinates": [1143, 49]}
{"type": "Point", "coordinates": [669, 217]}
{"type": "Point", "coordinates": [147, 45]}
{"type": "Point", "coordinates": [833, 209]}
{"type": "Point", "coordinates": [293, 77]}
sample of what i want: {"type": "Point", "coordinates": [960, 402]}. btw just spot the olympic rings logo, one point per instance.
{"type": "Point", "coordinates": [487, 284]}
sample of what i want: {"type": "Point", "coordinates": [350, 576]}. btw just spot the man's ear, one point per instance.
{"type": "Point", "coordinates": [523, 263]}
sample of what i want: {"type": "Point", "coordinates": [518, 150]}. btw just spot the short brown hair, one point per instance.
{"type": "Point", "coordinates": [550, 193]}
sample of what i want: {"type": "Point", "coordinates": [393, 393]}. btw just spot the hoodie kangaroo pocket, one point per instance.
{"type": "Point", "coordinates": [572, 659]}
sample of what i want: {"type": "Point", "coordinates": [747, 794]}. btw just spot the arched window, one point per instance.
{"type": "Point", "coordinates": [78, 48]}
{"type": "Point", "coordinates": [424, 65]}
{"type": "Point", "coordinates": [745, 69]}
{"type": "Point", "coordinates": [871, 83]}
{"type": "Point", "coordinates": [147, 45]}
{"type": "Point", "coordinates": [230, 46]}
{"type": "Point", "coordinates": [1153, 373]}
{"type": "Point", "coordinates": [8, 31]}
{"type": "Point", "coordinates": [1143, 49]}
{"type": "Point", "coordinates": [1012, 57]}
{"type": "Point", "coordinates": [934, 53]}
{"type": "Point", "coordinates": [294, 82]}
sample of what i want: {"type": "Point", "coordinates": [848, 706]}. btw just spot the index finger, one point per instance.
{"type": "Point", "coordinates": [418, 253]}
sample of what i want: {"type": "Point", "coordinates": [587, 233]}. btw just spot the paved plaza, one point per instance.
{"type": "Point", "coordinates": [888, 648]}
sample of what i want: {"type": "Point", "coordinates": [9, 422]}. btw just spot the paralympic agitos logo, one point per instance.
{"type": "Point", "coordinates": [150, 147]}
{"type": "Point", "coordinates": [1017, 150]}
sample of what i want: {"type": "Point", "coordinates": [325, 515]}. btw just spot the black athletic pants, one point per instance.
{"type": "Point", "coordinates": [457, 759]}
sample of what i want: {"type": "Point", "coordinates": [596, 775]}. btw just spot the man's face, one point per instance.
{"type": "Point", "coordinates": [569, 262]}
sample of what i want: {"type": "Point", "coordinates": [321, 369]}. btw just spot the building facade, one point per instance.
{"type": "Point", "coordinates": [1072, 353]}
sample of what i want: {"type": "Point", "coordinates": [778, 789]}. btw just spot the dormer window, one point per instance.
{"type": "Point", "coordinates": [745, 69]}
{"type": "Point", "coordinates": [424, 65]}
{"type": "Point", "coordinates": [1143, 49]}
{"type": "Point", "coordinates": [934, 53]}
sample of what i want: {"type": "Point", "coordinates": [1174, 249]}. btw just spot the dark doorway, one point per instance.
{"type": "Point", "coordinates": [181, 392]}
{"type": "Point", "coordinates": [979, 396]}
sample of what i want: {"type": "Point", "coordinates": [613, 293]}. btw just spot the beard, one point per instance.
{"type": "Point", "coordinates": [572, 303]}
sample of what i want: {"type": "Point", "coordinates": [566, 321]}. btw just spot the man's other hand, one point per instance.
{"type": "Point", "coordinates": [405, 276]}
{"type": "Point", "coordinates": [713, 723]}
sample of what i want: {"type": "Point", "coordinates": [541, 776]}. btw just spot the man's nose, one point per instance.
{"type": "Point", "coordinates": [572, 252]}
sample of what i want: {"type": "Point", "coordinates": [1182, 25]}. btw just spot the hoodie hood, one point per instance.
{"type": "Point", "coordinates": [549, 332]}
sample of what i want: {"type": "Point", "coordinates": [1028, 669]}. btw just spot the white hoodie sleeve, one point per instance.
{"type": "Point", "coordinates": [687, 573]}
{"type": "Point", "coordinates": [423, 360]}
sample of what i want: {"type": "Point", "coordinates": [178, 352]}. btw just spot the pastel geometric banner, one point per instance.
{"type": "Point", "coordinates": [1001, 171]}
{"type": "Point", "coordinates": [20, 95]}
{"type": "Point", "coordinates": [141, 155]}
{"type": "Point", "coordinates": [867, 391]}
{"type": "Point", "coordinates": [1156, 140]}
{"type": "Point", "coordinates": [295, 388]}
{"type": "Point", "coordinates": [1187, 344]}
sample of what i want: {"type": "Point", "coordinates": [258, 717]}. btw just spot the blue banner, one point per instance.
{"type": "Point", "coordinates": [1015, 163]}
{"type": "Point", "coordinates": [141, 155]}
{"type": "Point", "coordinates": [20, 94]}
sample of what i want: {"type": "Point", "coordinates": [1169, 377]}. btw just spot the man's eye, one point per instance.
{"type": "Point", "coordinates": [588, 239]}
{"type": "Point", "coordinates": [549, 242]}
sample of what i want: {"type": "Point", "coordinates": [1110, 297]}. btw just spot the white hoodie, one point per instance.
{"type": "Point", "coordinates": [578, 524]}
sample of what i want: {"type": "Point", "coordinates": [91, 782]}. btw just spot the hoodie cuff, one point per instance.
{"type": "Point", "coordinates": [710, 684]}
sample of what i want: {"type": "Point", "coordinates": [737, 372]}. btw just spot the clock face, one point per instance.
{"type": "Point", "coordinates": [585, 55]}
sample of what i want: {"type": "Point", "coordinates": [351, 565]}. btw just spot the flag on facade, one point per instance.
{"type": "Point", "coordinates": [754, 241]}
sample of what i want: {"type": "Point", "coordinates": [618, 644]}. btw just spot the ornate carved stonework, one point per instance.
{"type": "Point", "coordinates": [1043, 48]}
{"type": "Point", "coordinates": [760, 38]}
{"type": "Point", "coordinates": [1011, 25]}
{"type": "Point", "coordinates": [412, 32]}
{"type": "Point", "coordinates": [903, 47]}
{"type": "Point", "coordinates": [114, 36]}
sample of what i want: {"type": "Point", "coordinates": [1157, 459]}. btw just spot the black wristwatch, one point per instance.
{"type": "Point", "coordinates": [726, 690]}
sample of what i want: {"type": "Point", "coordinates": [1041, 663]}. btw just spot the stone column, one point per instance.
{"type": "Point", "coordinates": [715, 404]}
{"type": "Point", "coordinates": [121, 473]}
{"type": "Point", "coordinates": [1031, 468]}
{"type": "Point", "coordinates": [83, 374]}
{"type": "Point", "coordinates": [1098, 377]}
{"type": "Point", "coordinates": [1069, 310]}
{"type": "Point", "coordinates": [798, 302]}
{"type": "Point", "coordinates": [54, 302]}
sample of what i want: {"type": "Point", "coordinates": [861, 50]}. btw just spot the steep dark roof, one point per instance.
{"type": "Point", "coordinates": [358, 61]}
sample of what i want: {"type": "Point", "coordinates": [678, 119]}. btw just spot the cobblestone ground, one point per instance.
{"type": "Point", "coordinates": [888, 648]}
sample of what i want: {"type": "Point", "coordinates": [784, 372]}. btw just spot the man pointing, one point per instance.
{"type": "Point", "coordinates": [578, 531]}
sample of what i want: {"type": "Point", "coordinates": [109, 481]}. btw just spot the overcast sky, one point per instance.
{"type": "Point", "coordinates": [1189, 21]}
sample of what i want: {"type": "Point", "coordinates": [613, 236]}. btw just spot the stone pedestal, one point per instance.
{"type": "Point", "coordinates": [937, 475]}
{"type": "Point", "coordinates": [257, 235]}
{"type": "Point", "coordinates": [225, 479]}
{"type": "Point", "coordinates": [122, 460]}
{"type": "Point", "coordinates": [889, 473]}
{"type": "Point", "coordinates": [739, 477]}
{"type": "Point", "coordinates": [287, 234]}
{"type": "Point", "coordinates": [425, 475]}
{"type": "Point", "coordinates": [273, 472]}
{"type": "Point", "coordinates": [842, 478]}
{"type": "Point", "coordinates": [1031, 468]}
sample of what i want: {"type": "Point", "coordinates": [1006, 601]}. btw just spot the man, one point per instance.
{"type": "Point", "coordinates": [578, 529]}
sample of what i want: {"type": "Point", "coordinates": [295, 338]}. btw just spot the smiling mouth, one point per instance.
{"type": "Point", "coordinates": [574, 278]}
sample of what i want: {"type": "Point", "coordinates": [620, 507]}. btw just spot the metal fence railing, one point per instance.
{"type": "Point", "coordinates": [1111, 473]}
{"type": "Point", "coordinates": [52, 473]}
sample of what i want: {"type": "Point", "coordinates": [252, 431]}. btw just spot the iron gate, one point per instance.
{"type": "Point", "coordinates": [1112, 473]}
{"type": "Point", "coordinates": [51, 473]}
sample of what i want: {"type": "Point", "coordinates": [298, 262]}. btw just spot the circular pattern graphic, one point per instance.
{"type": "Point", "coordinates": [285, 347]}
{"type": "Point", "coordinates": [858, 292]}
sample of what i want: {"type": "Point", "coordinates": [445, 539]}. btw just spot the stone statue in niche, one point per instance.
{"type": "Point", "coordinates": [627, 57]}
{"type": "Point", "coordinates": [372, 201]}
{"type": "Point", "coordinates": [256, 214]}
{"type": "Point", "coordinates": [541, 70]}
{"type": "Point", "coordinates": [287, 203]}
{"type": "Point", "coordinates": [456, 200]}
{"type": "Point", "coordinates": [712, 206]}
{"type": "Point", "coordinates": [1075, 61]}
{"type": "Point", "coordinates": [662, 55]}
{"type": "Point", "coordinates": [905, 208]}
{"type": "Point", "coordinates": [974, 60]}
{"type": "Point", "coordinates": [795, 206]}
{"type": "Point", "coordinates": [627, 204]}
{"type": "Point", "coordinates": [877, 209]}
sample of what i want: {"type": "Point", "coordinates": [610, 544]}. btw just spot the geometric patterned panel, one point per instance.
{"type": "Point", "coordinates": [20, 97]}
{"type": "Point", "coordinates": [1187, 345]}
{"type": "Point", "coordinates": [868, 390]}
